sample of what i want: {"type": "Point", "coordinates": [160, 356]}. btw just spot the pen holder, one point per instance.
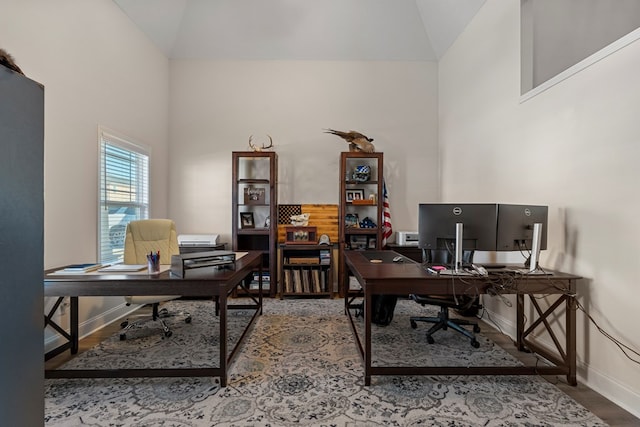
{"type": "Point", "coordinates": [153, 264]}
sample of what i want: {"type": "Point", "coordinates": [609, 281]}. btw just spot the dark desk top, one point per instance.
{"type": "Point", "coordinates": [199, 282]}
{"type": "Point", "coordinates": [377, 269]}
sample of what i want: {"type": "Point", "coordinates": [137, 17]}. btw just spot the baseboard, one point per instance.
{"type": "Point", "coordinates": [93, 324]}
{"type": "Point", "coordinates": [608, 387]}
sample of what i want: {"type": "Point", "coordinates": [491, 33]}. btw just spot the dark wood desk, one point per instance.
{"type": "Point", "coordinates": [410, 278]}
{"type": "Point", "coordinates": [204, 282]}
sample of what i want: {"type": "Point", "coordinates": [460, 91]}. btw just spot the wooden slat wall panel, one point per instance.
{"type": "Point", "coordinates": [324, 217]}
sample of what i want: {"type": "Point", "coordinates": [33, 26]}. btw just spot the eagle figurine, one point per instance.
{"type": "Point", "coordinates": [7, 60]}
{"type": "Point", "coordinates": [356, 140]}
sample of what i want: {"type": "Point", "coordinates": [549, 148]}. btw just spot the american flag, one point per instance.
{"type": "Point", "coordinates": [386, 216]}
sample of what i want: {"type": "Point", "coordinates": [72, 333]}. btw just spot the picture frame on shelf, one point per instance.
{"type": "Point", "coordinates": [254, 196]}
{"type": "Point", "coordinates": [354, 194]}
{"type": "Point", "coordinates": [246, 220]}
{"type": "Point", "coordinates": [351, 220]}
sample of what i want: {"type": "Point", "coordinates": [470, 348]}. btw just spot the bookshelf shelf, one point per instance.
{"type": "Point", "coordinates": [306, 270]}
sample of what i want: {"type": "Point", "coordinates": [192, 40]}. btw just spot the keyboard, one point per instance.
{"type": "Point", "coordinates": [493, 266]}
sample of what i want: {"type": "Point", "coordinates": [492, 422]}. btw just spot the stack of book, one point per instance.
{"type": "Point", "coordinates": [266, 281]}
{"type": "Point", "coordinates": [80, 268]}
{"type": "Point", "coordinates": [325, 257]}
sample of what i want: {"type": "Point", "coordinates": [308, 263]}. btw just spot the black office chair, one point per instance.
{"type": "Point", "coordinates": [463, 304]}
{"type": "Point", "coordinates": [442, 320]}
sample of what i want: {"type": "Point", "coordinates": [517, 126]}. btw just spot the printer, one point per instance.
{"type": "Point", "coordinates": [197, 240]}
{"type": "Point", "coordinates": [407, 238]}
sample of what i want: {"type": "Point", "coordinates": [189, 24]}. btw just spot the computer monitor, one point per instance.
{"type": "Point", "coordinates": [522, 228]}
{"type": "Point", "coordinates": [515, 226]}
{"type": "Point", "coordinates": [457, 227]}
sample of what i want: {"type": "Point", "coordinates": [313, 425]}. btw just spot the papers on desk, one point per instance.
{"type": "Point", "coordinates": [122, 268]}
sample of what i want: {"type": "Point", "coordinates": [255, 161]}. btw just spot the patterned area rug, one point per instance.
{"type": "Point", "coordinates": [300, 366]}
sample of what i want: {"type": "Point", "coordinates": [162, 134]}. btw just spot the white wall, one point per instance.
{"type": "Point", "coordinates": [97, 69]}
{"type": "Point", "coordinates": [216, 106]}
{"type": "Point", "coordinates": [574, 147]}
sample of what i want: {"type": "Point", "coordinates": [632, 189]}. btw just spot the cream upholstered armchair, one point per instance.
{"type": "Point", "coordinates": [143, 237]}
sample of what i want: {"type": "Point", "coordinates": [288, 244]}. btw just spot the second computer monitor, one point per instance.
{"type": "Point", "coordinates": [516, 224]}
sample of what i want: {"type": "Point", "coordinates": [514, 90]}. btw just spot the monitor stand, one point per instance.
{"type": "Point", "coordinates": [534, 267]}
{"type": "Point", "coordinates": [457, 269]}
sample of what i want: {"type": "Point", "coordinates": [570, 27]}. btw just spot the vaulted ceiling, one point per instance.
{"type": "Point", "coordinates": [343, 30]}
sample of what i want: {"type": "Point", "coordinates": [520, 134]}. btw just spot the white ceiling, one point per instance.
{"type": "Point", "coordinates": [376, 30]}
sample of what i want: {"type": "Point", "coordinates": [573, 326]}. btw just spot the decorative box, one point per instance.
{"type": "Point", "coordinates": [300, 235]}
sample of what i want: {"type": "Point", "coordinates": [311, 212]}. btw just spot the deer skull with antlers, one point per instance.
{"type": "Point", "coordinates": [256, 148]}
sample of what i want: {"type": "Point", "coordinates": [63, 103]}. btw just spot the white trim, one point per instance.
{"type": "Point", "coordinates": [587, 62]}
{"type": "Point", "coordinates": [124, 141]}
{"type": "Point", "coordinates": [94, 324]}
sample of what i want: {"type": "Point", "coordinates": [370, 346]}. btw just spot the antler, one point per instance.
{"type": "Point", "coordinates": [270, 143]}
{"type": "Point", "coordinates": [254, 148]}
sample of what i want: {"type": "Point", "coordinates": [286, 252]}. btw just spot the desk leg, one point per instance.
{"type": "Point", "coordinates": [223, 338]}
{"type": "Point", "coordinates": [73, 312]}
{"type": "Point", "coordinates": [367, 336]}
{"type": "Point", "coordinates": [520, 322]}
{"type": "Point", "coordinates": [571, 308]}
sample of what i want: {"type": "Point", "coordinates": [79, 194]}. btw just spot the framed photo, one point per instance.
{"type": "Point", "coordinates": [254, 196]}
{"type": "Point", "coordinates": [246, 220]}
{"type": "Point", "coordinates": [351, 220]}
{"type": "Point", "coordinates": [354, 194]}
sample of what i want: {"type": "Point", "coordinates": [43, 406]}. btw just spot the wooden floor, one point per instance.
{"type": "Point", "coordinates": [596, 403]}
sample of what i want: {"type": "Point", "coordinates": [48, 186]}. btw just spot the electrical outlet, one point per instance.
{"type": "Point", "coordinates": [63, 307]}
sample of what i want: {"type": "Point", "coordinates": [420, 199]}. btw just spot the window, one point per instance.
{"type": "Point", "coordinates": [124, 192]}
{"type": "Point", "coordinates": [561, 38]}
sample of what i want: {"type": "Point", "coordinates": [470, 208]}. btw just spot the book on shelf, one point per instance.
{"type": "Point", "coordinates": [297, 281]}
{"type": "Point", "coordinates": [323, 281]}
{"type": "Point", "coordinates": [302, 260]}
{"type": "Point", "coordinates": [255, 281]}
{"type": "Point", "coordinates": [317, 285]}
{"type": "Point", "coordinates": [325, 257]}
{"type": "Point", "coordinates": [306, 286]}
{"type": "Point", "coordinates": [287, 281]}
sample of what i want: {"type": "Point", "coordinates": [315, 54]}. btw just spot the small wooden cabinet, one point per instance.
{"type": "Point", "coordinates": [254, 211]}
{"type": "Point", "coordinates": [306, 270]}
{"type": "Point", "coordinates": [361, 205]}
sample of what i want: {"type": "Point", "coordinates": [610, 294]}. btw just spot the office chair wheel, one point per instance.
{"type": "Point", "coordinates": [168, 334]}
{"type": "Point", "coordinates": [187, 319]}
{"type": "Point", "coordinates": [476, 329]}
{"type": "Point", "coordinates": [124, 324]}
{"type": "Point", "coordinates": [430, 339]}
{"type": "Point", "coordinates": [475, 344]}
{"type": "Point", "coordinates": [414, 325]}
{"type": "Point", "coordinates": [123, 337]}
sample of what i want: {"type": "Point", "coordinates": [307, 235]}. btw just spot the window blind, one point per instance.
{"type": "Point", "coordinates": [124, 192]}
